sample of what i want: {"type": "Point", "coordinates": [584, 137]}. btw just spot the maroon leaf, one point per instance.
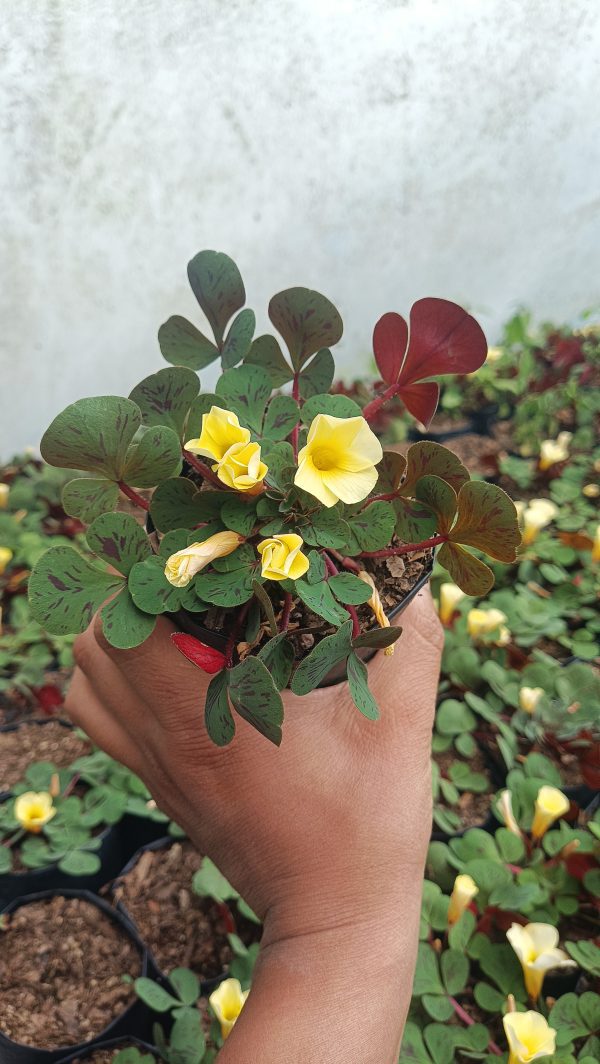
{"type": "Point", "coordinates": [487, 519]}
{"type": "Point", "coordinates": [443, 339]}
{"type": "Point", "coordinates": [421, 400]}
{"type": "Point", "coordinates": [473, 576]}
{"type": "Point", "coordinates": [427, 458]}
{"type": "Point", "coordinates": [198, 653]}
{"type": "Point", "coordinates": [390, 337]}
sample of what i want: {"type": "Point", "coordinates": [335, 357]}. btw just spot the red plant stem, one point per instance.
{"type": "Point", "coordinates": [133, 495]}
{"type": "Point", "coordinates": [333, 571]}
{"type": "Point", "coordinates": [296, 428]}
{"type": "Point", "coordinates": [469, 1021]}
{"type": "Point", "coordinates": [407, 548]}
{"type": "Point", "coordinates": [381, 498]}
{"type": "Point", "coordinates": [202, 469]}
{"type": "Point", "coordinates": [70, 786]}
{"type": "Point", "coordinates": [371, 408]}
{"type": "Point", "coordinates": [235, 631]}
{"type": "Point", "coordinates": [18, 835]}
{"type": "Point", "coordinates": [287, 609]}
{"type": "Point", "coordinates": [348, 563]}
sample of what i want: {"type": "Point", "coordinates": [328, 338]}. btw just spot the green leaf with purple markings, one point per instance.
{"type": "Point", "coordinates": [165, 398]}
{"type": "Point", "coordinates": [86, 497]}
{"type": "Point", "coordinates": [283, 414]}
{"type": "Point", "coordinates": [182, 344]}
{"type": "Point", "coordinates": [358, 682]}
{"type": "Point", "coordinates": [154, 456]}
{"type": "Point", "coordinates": [487, 519]}
{"type": "Point", "coordinates": [256, 698]}
{"type": "Point", "coordinates": [441, 500]}
{"type": "Point", "coordinates": [266, 353]}
{"type": "Point", "coordinates": [123, 624]}
{"type": "Point", "coordinates": [178, 503]}
{"type": "Point", "coordinates": [245, 390]}
{"type": "Point", "coordinates": [119, 540]}
{"type": "Point", "coordinates": [239, 339]}
{"type": "Point", "coordinates": [218, 717]}
{"type": "Point", "coordinates": [431, 459]}
{"type": "Point", "coordinates": [65, 590]}
{"type": "Point", "coordinates": [327, 653]}
{"type": "Point", "coordinates": [278, 656]}
{"type": "Point", "coordinates": [317, 377]}
{"type": "Point", "coordinates": [307, 321]}
{"type": "Point", "coordinates": [472, 575]}
{"type": "Point", "coordinates": [150, 589]}
{"type": "Point", "coordinates": [93, 434]}
{"type": "Point", "coordinates": [217, 285]}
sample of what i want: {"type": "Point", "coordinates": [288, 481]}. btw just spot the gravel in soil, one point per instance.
{"type": "Point", "coordinates": [61, 967]}
{"type": "Point", "coordinates": [472, 808]}
{"type": "Point", "coordinates": [106, 1056]}
{"type": "Point", "coordinates": [37, 742]}
{"type": "Point", "coordinates": [180, 928]}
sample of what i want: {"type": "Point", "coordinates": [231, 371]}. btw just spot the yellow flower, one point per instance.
{"type": "Point", "coordinates": [4, 493]}
{"type": "Point", "coordinates": [550, 804]}
{"type": "Point", "coordinates": [227, 1001]}
{"type": "Point", "coordinates": [529, 698]}
{"type": "Point", "coordinates": [377, 606]}
{"type": "Point", "coordinates": [33, 810]}
{"type": "Point", "coordinates": [538, 514]}
{"type": "Point", "coordinates": [481, 623]}
{"type": "Point", "coordinates": [596, 545]}
{"type": "Point", "coordinates": [529, 1037]}
{"type": "Point", "coordinates": [506, 812]}
{"type": "Point", "coordinates": [450, 596]}
{"type": "Point", "coordinates": [282, 558]}
{"type": "Point", "coordinates": [5, 557]}
{"type": "Point", "coordinates": [463, 892]}
{"type": "Point", "coordinates": [591, 491]}
{"type": "Point", "coordinates": [339, 459]}
{"type": "Point", "coordinates": [241, 468]}
{"type": "Point", "coordinates": [536, 947]}
{"type": "Point", "coordinates": [553, 451]}
{"type": "Point", "coordinates": [220, 431]}
{"type": "Point", "coordinates": [182, 566]}
{"type": "Point", "coordinates": [494, 354]}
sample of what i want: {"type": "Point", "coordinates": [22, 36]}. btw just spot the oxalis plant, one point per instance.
{"type": "Point", "coordinates": [272, 514]}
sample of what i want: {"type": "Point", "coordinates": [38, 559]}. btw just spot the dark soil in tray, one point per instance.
{"type": "Point", "coordinates": [61, 967]}
{"type": "Point", "coordinates": [472, 808]}
{"type": "Point", "coordinates": [37, 742]}
{"type": "Point", "coordinates": [478, 453]}
{"type": "Point", "coordinates": [106, 1056]}
{"type": "Point", "coordinates": [180, 928]}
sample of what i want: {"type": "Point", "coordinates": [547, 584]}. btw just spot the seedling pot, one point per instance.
{"type": "Point", "coordinates": [484, 418]}
{"type": "Point", "coordinates": [134, 1022]}
{"type": "Point", "coordinates": [38, 724]}
{"type": "Point", "coordinates": [111, 1043]}
{"type": "Point", "coordinates": [490, 824]}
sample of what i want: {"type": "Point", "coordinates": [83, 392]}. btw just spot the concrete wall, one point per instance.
{"type": "Point", "coordinates": [378, 150]}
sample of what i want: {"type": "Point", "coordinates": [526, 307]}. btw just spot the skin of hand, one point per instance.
{"type": "Point", "coordinates": [325, 837]}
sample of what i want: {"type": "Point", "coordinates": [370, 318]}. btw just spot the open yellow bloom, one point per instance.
{"type": "Point", "coordinates": [536, 947]}
{"type": "Point", "coordinates": [339, 459]}
{"type": "Point", "coordinates": [481, 623]}
{"type": "Point", "coordinates": [529, 1037]}
{"type": "Point", "coordinates": [529, 698]}
{"type": "Point", "coordinates": [4, 493]}
{"type": "Point", "coordinates": [505, 810]}
{"type": "Point", "coordinates": [377, 606]}
{"type": "Point", "coordinates": [5, 557]}
{"type": "Point", "coordinates": [182, 566]}
{"type": "Point", "coordinates": [538, 514]}
{"type": "Point", "coordinates": [227, 1001]}
{"type": "Point", "coordinates": [596, 545]}
{"type": "Point", "coordinates": [553, 451]}
{"type": "Point", "coordinates": [282, 557]}
{"type": "Point", "coordinates": [450, 596]}
{"type": "Point", "coordinates": [463, 892]}
{"type": "Point", "coordinates": [33, 810]}
{"type": "Point", "coordinates": [550, 804]}
{"type": "Point", "coordinates": [241, 468]}
{"type": "Point", "coordinates": [220, 431]}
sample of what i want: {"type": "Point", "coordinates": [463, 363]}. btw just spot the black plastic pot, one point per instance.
{"type": "Point", "coordinates": [156, 972]}
{"type": "Point", "coordinates": [134, 1022]}
{"type": "Point", "coordinates": [443, 436]}
{"type": "Point", "coordinates": [112, 1043]}
{"type": "Point", "coordinates": [39, 724]}
{"type": "Point", "coordinates": [14, 885]}
{"type": "Point", "coordinates": [484, 419]}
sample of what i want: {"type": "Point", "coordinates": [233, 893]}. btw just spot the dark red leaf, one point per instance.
{"type": "Point", "coordinates": [49, 697]}
{"type": "Point", "coordinates": [390, 337]}
{"type": "Point", "coordinates": [421, 400]}
{"type": "Point", "coordinates": [198, 653]}
{"type": "Point", "coordinates": [443, 339]}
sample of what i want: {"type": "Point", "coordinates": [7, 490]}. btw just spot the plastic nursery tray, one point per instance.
{"type": "Point", "coordinates": [134, 1022]}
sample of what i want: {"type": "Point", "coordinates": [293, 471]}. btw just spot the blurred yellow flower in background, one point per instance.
{"type": "Point", "coordinates": [4, 493]}
{"type": "Point", "coordinates": [505, 810]}
{"type": "Point", "coordinates": [463, 892]}
{"type": "Point", "coordinates": [529, 1037]}
{"type": "Point", "coordinates": [339, 459]}
{"type": "Point", "coordinates": [529, 698]}
{"type": "Point", "coordinates": [227, 1001]}
{"type": "Point", "coordinates": [482, 623]}
{"type": "Point", "coordinates": [33, 810]}
{"type": "Point", "coordinates": [6, 556]}
{"type": "Point", "coordinates": [536, 947]}
{"type": "Point", "coordinates": [535, 516]}
{"type": "Point", "coordinates": [553, 451]}
{"type": "Point", "coordinates": [450, 596]}
{"type": "Point", "coordinates": [550, 804]}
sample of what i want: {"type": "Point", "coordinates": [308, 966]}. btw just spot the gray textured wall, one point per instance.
{"type": "Point", "coordinates": [378, 150]}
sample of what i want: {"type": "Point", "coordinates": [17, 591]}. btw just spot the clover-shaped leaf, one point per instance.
{"type": "Point", "coordinates": [217, 285]}
{"type": "Point", "coordinates": [93, 434]}
{"type": "Point", "coordinates": [165, 398]}
{"type": "Point", "coordinates": [65, 590]}
{"type": "Point", "coordinates": [307, 321]}
{"type": "Point", "coordinates": [245, 390]}
{"type": "Point", "coordinates": [256, 698]}
{"type": "Point", "coordinates": [487, 519]}
{"type": "Point", "coordinates": [431, 459]}
{"type": "Point", "coordinates": [182, 344]}
{"type": "Point", "coordinates": [119, 540]}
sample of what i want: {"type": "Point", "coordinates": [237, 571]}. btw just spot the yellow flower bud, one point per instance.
{"type": "Point", "coordinates": [529, 698]}
{"type": "Point", "coordinates": [591, 491]}
{"type": "Point", "coordinates": [339, 459]}
{"type": "Point", "coordinates": [182, 566]}
{"type": "Point", "coordinates": [553, 451]}
{"type": "Point", "coordinates": [282, 557]}
{"type": "Point", "coordinates": [5, 558]}
{"type": "Point", "coordinates": [241, 468]}
{"type": "Point", "coordinates": [227, 1001]}
{"type": "Point", "coordinates": [596, 545]}
{"type": "Point", "coordinates": [505, 810]}
{"type": "Point", "coordinates": [377, 606]}
{"type": "Point", "coordinates": [550, 804]}
{"type": "Point", "coordinates": [536, 947]}
{"type": "Point", "coordinates": [538, 514]}
{"type": "Point", "coordinates": [220, 431]}
{"type": "Point", "coordinates": [450, 596]}
{"type": "Point", "coordinates": [529, 1037]}
{"type": "Point", "coordinates": [33, 810]}
{"type": "Point", "coordinates": [4, 493]}
{"type": "Point", "coordinates": [463, 892]}
{"type": "Point", "coordinates": [482, 623]}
